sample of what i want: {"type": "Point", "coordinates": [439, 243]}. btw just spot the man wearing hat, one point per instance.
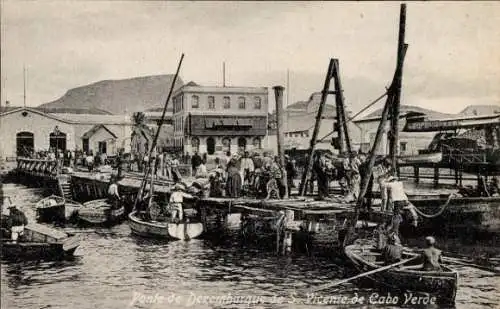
{"type": "Point", "coordinates": [431, 256]}
{"type": "Point", "coordinates": [176, 200]}
{"type": "Point", "coordinates": [17, 220]}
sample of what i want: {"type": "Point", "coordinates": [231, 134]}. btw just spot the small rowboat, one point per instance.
{"type": "Point", "coordinates": [39, 242]}
{"type": "Point", "coordinates": [51, 209]}
{"type": "Point", "coordinates": [435, 157]}
{"type": "Point", "coordinates": [163, 229]}
{"type": "Point", "coordinates": [442, 284]}
{"type": "Point", "coordinates": [100, 212]}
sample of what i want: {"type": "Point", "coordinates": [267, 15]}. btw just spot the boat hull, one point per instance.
{"type": "Point", "coordinates": [99, 212]}
{"type": "Point", "coordinates": [35, 251]}
{"type": "Point", "coordinates": [164, 230]}
{"type": "Point", "coordinates": [441, 284]}
{"type": "Point", "coordinates": [51, 213]}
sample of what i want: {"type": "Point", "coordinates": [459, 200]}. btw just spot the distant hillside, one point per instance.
{"type": "Point", "coordinates": [118, 96]}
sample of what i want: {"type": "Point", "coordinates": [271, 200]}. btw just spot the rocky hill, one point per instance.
{"type": "Point", "coordinates": [118, 96]}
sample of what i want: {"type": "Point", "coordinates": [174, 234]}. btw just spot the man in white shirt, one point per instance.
{"type": "Point", "coordinates": [175, 202]}
{"type": "Point", "coordinates": [113, 194]}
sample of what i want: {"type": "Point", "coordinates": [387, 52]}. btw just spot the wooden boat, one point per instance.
{"type": "Point", "coordinates": [51, 209]}
{"type": "Point", "coordinates": [434, 157]}
{"type": "Point", "coordinates": [100, 212]}
{"type": "Point", "coordinates": [442, 284]}
{"type": "Point", "coordinates": [163, 229]}
{"type": "Point", "coordinates": [39, 242]}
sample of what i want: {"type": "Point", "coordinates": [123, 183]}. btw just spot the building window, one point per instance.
{"type": "Point", "coordinates": [402, 146]}
{"type": "Point", "coordinates": [241, 103]}
{"type": "Point", "coordinates": [195, 101]}
{"type": "Point", "coordinates": [257, 144]}
{"type": "Point", "coordinates": [211, 102]}
{"type": "Point", "coordinates": [226, 144]}
{"type": "Point", "coordinates": [195, 144]}
{"type": "Point", "coordinates": [257, 103]}
{"type": "Point", "coordinates": [182, 102]}
{"type": "Point", "coordinates": [227, 102]}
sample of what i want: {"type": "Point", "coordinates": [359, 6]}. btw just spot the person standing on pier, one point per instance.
{"type": "Point", "coordinates": [291, 173]}
{"type": "Point", "coordinates": [233, 183]}
{"type": "Point", "coordinates": [195, 162]}
{"type": "Point", "coordinates": [322, 178]}
{"type": "Point", "coordinates": [89, 161]}
{"type": "Point", "coordinates": [247, 168]}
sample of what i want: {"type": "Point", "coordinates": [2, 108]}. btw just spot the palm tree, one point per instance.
{"type": "Point", "coordinates": [141, 137]}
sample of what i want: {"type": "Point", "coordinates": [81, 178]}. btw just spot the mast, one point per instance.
{"type": "Point", "coordinates": [224, 74]}
{"type": "Point", "coordinates": [155, 140]}
{"type": "Point", "coordinates": [394, 140]}
{"type": "Point", "coordinates": [392, 95]}
{"type": "Point", "coordinates": [24, 85]}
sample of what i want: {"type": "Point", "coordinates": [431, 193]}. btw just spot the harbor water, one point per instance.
{"type": "Point", "coordinates": [113, 269]}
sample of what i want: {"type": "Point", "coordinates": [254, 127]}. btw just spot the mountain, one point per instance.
{"type": "Point", "coordinates": [118, 96]}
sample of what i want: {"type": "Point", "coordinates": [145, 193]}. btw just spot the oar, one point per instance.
{"type": "Point", "coordinates": [371, 272]}
{"type": "Point", "coordinates": [465, 263]}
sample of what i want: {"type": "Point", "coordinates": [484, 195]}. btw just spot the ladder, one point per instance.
{"type": "Point", "coordinates": [65, 187]}
{"type": "Point", "coordinates": [340, 125]}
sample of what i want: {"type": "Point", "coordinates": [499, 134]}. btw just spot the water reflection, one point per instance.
{"type": "Point", "coordinates": [113, 269]}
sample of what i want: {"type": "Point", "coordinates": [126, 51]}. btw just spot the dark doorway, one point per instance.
{"type": "Point", "coordinates": [25, 143]}
{"type": "Point", "coordinates": [102, 147]}
{"type": "Point", "coordinates": [85, 145]}
{"type": "Point", "coordinates": [210, 145]}
{"type": "Point", "coordinates": [58, 141]}
{"type": "Point", "coordinates": [242, 143]}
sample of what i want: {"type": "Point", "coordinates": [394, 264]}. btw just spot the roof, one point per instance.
{"type": "Point", "coordinates": [195, 88]}
{"type": "Point", "coordinates": [475, 110]}
{"type": "Point", "coordinates": [452, 123]}
{"type": "Point", "coordinates": [35, 111]}
{"type": "Point", "coordinates": [96, 128]}
{"type": "Point", "coordinates": [96, 119]}
{"type": "Point", "coordinates": [406, 110]}
{"type": "Point", "coordinates": [76, 118]}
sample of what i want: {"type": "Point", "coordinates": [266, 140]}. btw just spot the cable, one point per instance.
{"type": "Point", "coordinates": [357, 114]}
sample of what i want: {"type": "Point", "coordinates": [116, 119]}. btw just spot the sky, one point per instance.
{"type": "Point", "coordinates": [453, 59]}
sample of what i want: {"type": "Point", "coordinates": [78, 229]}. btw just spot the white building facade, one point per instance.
{"type": "Point", "coordinates": [219, 119]}
{"type": "Point", "coordinates": [25, 130]}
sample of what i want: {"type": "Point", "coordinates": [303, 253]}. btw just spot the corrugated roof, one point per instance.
{"type": "Point", "coordinates": [406, 109]}
{"type": "Point", "coordinates": [95, 119]}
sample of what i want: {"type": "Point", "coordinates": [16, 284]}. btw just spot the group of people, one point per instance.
{"type": "Point", "coordinates": [248, 173]}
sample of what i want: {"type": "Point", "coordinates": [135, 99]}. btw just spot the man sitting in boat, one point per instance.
{"type": "Point", "coordinates": [17, 220]}
{"type": "Point", "coordinates": [175, 202]}
{"type": "Point", "coordinates": [113, 195]}
{"type": "Point", "coordinates": [431, 256]}
{"type": "Point", "coordinates": [393, 250]}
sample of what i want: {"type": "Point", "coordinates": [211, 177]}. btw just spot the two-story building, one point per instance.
{"type": "Point", "coordinates": [213, 119]}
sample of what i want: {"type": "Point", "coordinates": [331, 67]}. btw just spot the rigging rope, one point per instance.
{"type": "Point", "coordinates": [357, 114]}
{"type": "Point", "coordinates": [439, 212]}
